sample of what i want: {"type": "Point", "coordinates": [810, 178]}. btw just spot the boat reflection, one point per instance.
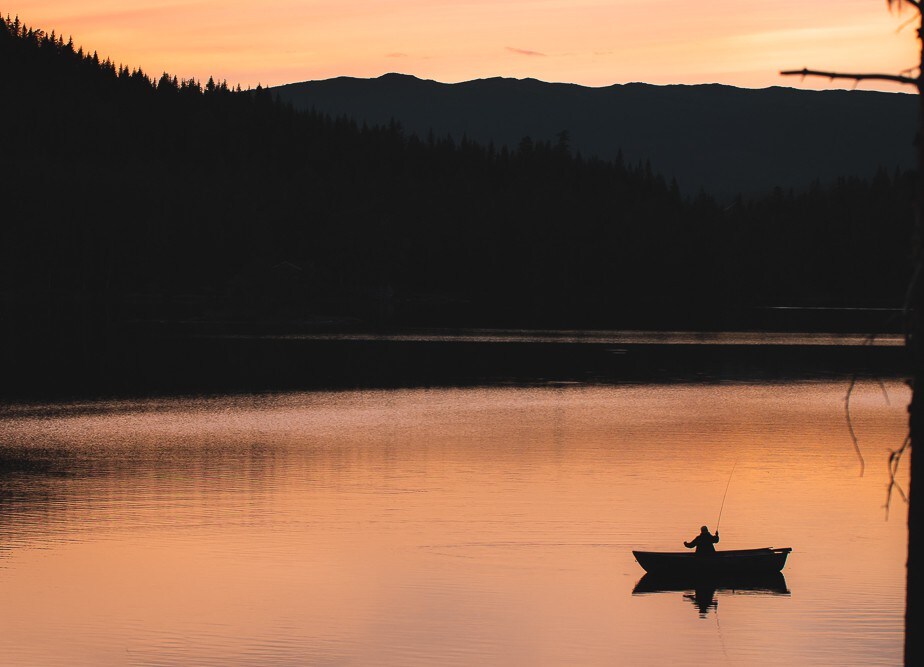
{"type": "Point", "coordinates": [701, 591]}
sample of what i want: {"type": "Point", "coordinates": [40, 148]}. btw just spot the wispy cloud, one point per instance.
{"type": "Point", "coordinates": [524, 52]}
{"type": "Point", "coordinates": [396, 54]}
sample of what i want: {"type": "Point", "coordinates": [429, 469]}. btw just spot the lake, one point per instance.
{"type": "Point", "coordinates": [451, 526]}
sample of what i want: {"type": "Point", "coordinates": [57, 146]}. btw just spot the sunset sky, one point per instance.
{"type": "Point", "coordinates": [591, 42]}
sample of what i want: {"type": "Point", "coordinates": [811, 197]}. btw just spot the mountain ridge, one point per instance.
{"type": "Point", "coordinates": [720, 138]}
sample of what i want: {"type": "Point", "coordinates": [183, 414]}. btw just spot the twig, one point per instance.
{"type": "Point", "coordinates": [853, 434]}
{"type": "Point", "coordinates": [914, 3]}
{"type": "Point", "coordinates": [896, 78]}
{"type": "Point", "coordinates": [906, 24]}
{"type": "Point", "coordinates": [895, 458]}
{"type": "Point", "coordinates": [885, 392]}
{"type": "Point", "coordinates": [870, 340]}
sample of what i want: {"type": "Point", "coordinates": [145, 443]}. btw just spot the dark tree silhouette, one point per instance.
{"type": "Point", "coordinates": [131, 203]}
{"type": "Point", "coordinates": [914, 311]}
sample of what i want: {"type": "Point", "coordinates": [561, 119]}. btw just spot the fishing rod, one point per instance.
{"type": "Point", "coordinates": [725, 496]}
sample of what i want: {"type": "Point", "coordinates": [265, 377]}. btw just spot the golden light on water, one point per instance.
{"type": "Point", "coordinates": [457, 526]}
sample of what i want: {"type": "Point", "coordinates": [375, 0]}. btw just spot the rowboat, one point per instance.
{"type": "Point", "coordinates": [721, 563]}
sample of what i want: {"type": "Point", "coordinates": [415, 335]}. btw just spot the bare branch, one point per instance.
{"type": "Point", "coordinates": [895, 458]}
{"type": "Point", "coordinates": [896, 78]}
{"type": "Point", "coordinates": [906, 24]}
{"type": "Point", "coordinates": [853, 435]}
{"type": "Point", "coordinates": [885, 392]}
{"type": "Point", "coordinates": [914, 3]}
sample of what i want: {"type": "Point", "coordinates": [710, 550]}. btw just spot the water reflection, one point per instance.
{"type": "Point", "coordinates": [702, 591]}
{"type": "Point", "coordinates": [451, 527]}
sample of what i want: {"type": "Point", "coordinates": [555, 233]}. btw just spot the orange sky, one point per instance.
{"type": "Point", "coordinates": [591, 42]}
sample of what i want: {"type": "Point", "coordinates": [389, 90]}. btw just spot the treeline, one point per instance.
{"type": "Point", "coordinates": [132, 197]}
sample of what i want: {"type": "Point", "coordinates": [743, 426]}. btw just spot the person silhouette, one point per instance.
{"type": "Point", "coordinates": [703, 542]}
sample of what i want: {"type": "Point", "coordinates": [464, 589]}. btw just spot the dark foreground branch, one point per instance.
{"type": "Point", "coordinates": [853, 434]}
{"type": "Point", "coordinates": [897, 78]}
{"type": "Point", "coordinates": [895, 458]}
{"type": "Point", "coordinates": [914, 3]}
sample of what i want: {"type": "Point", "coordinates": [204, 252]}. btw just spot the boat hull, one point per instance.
{"type": "Point", "coordinates": [723, 563]}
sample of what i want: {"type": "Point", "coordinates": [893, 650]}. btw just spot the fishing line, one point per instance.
{"type": "Point", "coordinates": [721, 634]}
{"type": "Point", "coordinates": [725, 496]}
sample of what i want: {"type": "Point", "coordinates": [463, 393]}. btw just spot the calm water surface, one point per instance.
{"type": "Point", "coordinates": [446, 527]}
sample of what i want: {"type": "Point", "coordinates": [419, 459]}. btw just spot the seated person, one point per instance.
{"type": "Point", "coordinates": [703, 542]}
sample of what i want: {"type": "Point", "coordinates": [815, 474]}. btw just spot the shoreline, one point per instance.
{"type": "Point", "coordinates": [170, 362]}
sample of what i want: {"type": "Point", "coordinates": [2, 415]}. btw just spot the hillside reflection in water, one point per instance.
{"type": "Point", "coordinates": [451, 526]}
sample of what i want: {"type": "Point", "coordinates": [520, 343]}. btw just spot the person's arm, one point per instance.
{"type": "Point", "coordinates": [715, 540]}
{"type": "Point", "coordinates": [691, 544]}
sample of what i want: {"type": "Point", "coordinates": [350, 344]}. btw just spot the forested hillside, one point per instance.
{"type": "Point", "coordinates": [723, 139]}
{"type": "Point", "coordinates": [132, 197]}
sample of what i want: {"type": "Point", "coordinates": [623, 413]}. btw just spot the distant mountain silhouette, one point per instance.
{"type": "Point", "coordinates": [721, 138]}
{"type": "Point", "coordinates": [136, 207]}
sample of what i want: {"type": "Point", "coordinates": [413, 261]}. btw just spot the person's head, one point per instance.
{"type": "Point", "coordinates": [704, 529]}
